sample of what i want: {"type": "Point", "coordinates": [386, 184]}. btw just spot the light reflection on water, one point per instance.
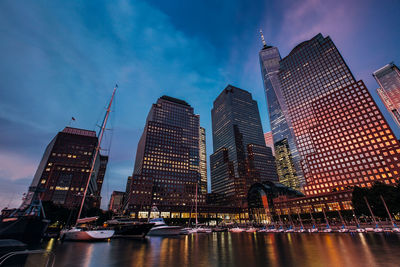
{"type": "Point", "coordinates": [236, 249]}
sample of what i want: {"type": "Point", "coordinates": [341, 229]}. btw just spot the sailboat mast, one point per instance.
{"type": "Point", "coordinates": [301, 222]}
{"type": "Point", "coordinates": [103, 127]}
{"type": "Point", "coordinates": [326, 219]}
{"type": "Point", "coordinates": [387, 210]}
{"type": "Point", "coordinates": [370, 210]}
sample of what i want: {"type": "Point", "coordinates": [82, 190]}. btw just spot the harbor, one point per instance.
{"type": "Point", "coordinates": [230, 249]}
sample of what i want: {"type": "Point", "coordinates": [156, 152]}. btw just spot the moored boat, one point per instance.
{"type": "Point", "coordinates": [236, 230]}
{"type": "Point", "coordinates": [203, 230]}
{"type": "Point", "coordinates": [129, 228]}
{"type": "Point", "coordinates": [161, 229]}
{"type": "Point", "coordinates": [251, 230]}
{"type": "Point", "coordinates": [82, 232]}
{"type": "Point", "coordinates": [78, 233]}
{"type": "Point", "coordinates": [26, 225]}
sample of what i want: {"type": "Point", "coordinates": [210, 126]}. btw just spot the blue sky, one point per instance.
{"type": "Point", "coordinates": [62, 58]}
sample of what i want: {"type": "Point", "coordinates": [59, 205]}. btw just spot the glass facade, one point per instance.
{"type": "Point", "coordinates": [167, 166]}
{"type": "Point", "coordinates": [288, 159]}
{"type": "Point", "coordinates": [240, 155]}
{"type": "Point", "coordinates": [341, 135]}
{"type": "Point", "coordinates": [203, 160]}
{"type": "Point", "coordinates": [388, 79]}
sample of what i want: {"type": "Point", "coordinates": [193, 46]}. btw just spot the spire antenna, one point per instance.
{"type": "Point", "coordinates": [262, 38]}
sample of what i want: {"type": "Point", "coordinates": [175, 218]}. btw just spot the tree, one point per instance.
{"type": "Point", "coordinates": [391, 195]}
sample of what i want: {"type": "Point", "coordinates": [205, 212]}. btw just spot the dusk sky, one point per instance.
{"type": "Point", "coordinates": [61, 59]}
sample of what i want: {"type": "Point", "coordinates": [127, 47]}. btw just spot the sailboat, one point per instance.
{"type": "Point", "coordinates": [313, 229]}
{"type": "Point", "coordinates": [358, 229]}
{"type": "Point", "coordinates": [301, 230]}
{"type": "Point", "coordinates": [328, 228]}
{"type": "Point", "coordinates": [377, 229]}
{"type": "Point", "coordinates": [344, 229]}
{"type": "Point", "coordinates": [79, 233]}
{"type": "Point", "coordinates": [198, 228]}
{"type": "Point", "coordinates": [395, 228]}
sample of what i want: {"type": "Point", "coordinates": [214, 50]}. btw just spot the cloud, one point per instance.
{"type": "Point", "coordinates": [14, 166]}
{"type": "Point", "coordinates": [61, 59]}
{"type": "Point", "coordinates": [301, 20]}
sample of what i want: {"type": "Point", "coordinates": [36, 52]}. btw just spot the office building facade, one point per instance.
{"type": "Point", "coordinates": [64, 170]}
{"type": "Point", "coordinates": [167, 162]}
{"type": "Point", "coordinates": [388, 78]}
{"type": "Point", "coordinates": [203, 161]}
{"type": "Point", "coordinates": [341, 136]}
{"type": "Point", "coordinates": [240, 156]}
{"type": "Point", "coordinates": [286, 154]}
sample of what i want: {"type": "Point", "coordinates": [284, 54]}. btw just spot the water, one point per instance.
{"type": "Point", "coordinates": [236, 249]}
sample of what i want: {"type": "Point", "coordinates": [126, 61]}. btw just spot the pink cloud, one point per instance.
{"type": "Point", "coordinates": [301, 20]}
{"type": "Point", "coordinates": [15, 166]}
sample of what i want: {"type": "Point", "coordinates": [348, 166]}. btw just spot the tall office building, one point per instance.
{"type": "Point", "coordinates": [116, 201]}
{"type": "Point", "coordinates": [203, 160]}
{"type": "Point", "coordinates": [388, 78]}
{"type": "Point", "coordinates": [240, 156]}
{"type": "Point", "coordinates": [63, 172]}
{"type": "Point", "coordinates": [341, 136]}
{"type": "Point", "coordinates": [100, 179]}
{"type": "Point", "coordinates": [286, 154]}
{"type": "Point", "coordinates": [167, 159]}
{"type": "Point", "coordinates": [269, 142]}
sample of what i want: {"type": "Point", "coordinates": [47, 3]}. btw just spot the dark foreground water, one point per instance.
{"type": "Point", "coordinates": [236, 249]}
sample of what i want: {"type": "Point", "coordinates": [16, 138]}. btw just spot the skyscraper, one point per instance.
{"type": "Point", "coordinates": [269, 142]}
{"type": "Point", "coordinates": [388, 78]}
{"type": "Point", "coordinates": [286, 154]}
{"type": "Point", "coordinates": [167, 159]}
{"type": "Point", "coordinates": [63, 172]}
{"type": "Point", "coordinates": [100, 179]}
{"type": "Point", "coordinates": [203, 161]}
{"type": "Point", "coordinates": [341, 136]}
{"type": "Point", "coordinates": [240, 156]}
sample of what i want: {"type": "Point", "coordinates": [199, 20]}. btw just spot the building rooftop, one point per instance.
{"type": "Point", "coordinates": [175, 100]}
{"type": "Point", "coordinates": [78, 131]}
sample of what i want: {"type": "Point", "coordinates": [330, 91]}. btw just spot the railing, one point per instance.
{"type": "Point", "coordinates": [49, 261]}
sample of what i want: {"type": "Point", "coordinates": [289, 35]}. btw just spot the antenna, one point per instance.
{"type": "Point", "coordinates": [262, 38]}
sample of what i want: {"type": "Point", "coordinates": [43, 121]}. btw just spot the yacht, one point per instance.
{"type": "Point", "coordinates": [251, 230]}
{"type": "Point", "coordinates": [81, 232]}
{"type": "Point", "coordinates": [187, 231]}
{"type": "Point", "coordinates": [126, 227]}
{"type": "Point", "coordinates": [236, 230]}
{"type": "Point", "coordinates": [203, 230]}
{"type": "Point", "coordinates": [161, 229]}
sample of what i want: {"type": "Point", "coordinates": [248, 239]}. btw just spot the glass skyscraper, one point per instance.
{"type": "Point", "coordinates": [203, 160]}
{"type": "Point", "coordinates": [286, 154]}
{"type": "Point", "coordinates": [240, 156]}
{"type": "Point", "coordinates": [388, 78]}
{"type": "Point", "coordinates": [341, 136]}
{"type": "Point", "coordinates": [167, 159]}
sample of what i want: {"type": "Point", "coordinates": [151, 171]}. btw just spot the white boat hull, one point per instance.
{"type": "Point", "coordinates": [165, 231]}
{"type": "Point", "coordinates": [92, 235]}
{"type": "Point", "coordinates": [236, 230]}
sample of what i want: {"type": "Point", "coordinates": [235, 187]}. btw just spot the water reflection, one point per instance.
{"type": "Point", "coordinates": [236, 249]}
